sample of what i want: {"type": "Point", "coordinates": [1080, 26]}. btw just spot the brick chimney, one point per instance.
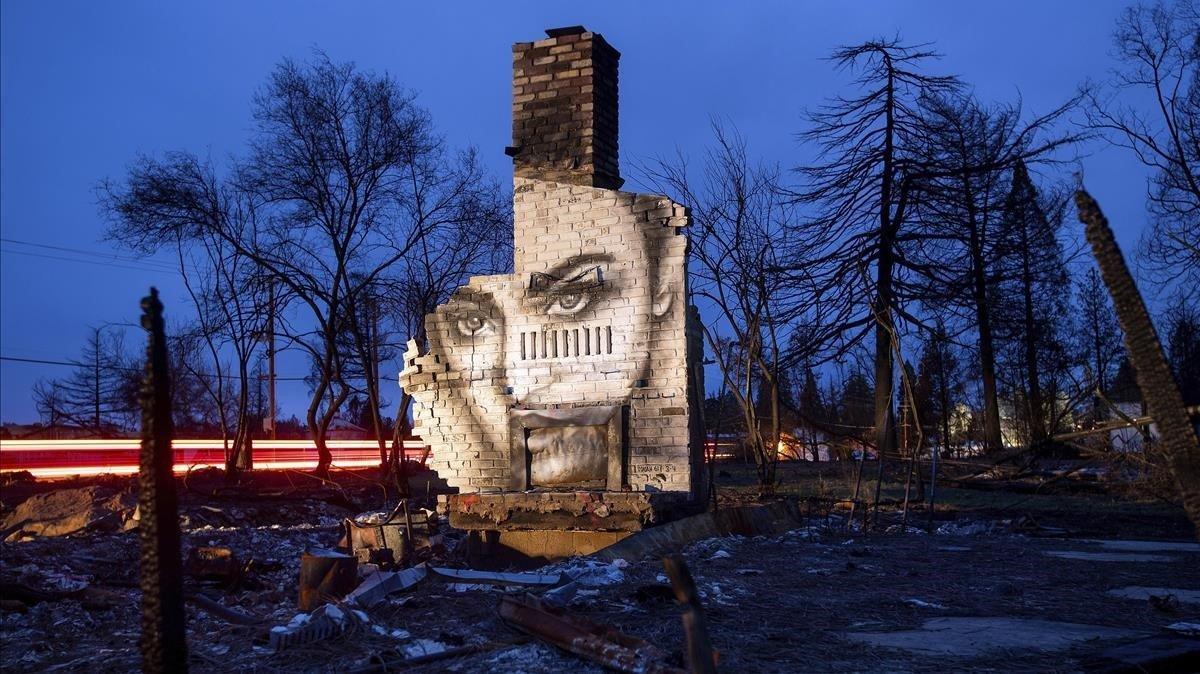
{"type": "Point", "coordinates": [565, 109]}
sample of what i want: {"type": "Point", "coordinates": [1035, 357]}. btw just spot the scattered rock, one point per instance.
{"type": "Point", "coordinates": [71, 511]}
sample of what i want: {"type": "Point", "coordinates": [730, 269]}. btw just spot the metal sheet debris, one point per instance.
{"type": "Point", "coordinates": [377, 586]}
{"type": "Point", "coordinates": [306, 628]}
{"type": "Point", "coordinates": [473, 576]}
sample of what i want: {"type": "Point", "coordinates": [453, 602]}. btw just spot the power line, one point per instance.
{"type": "Point", "coordinates": [93, 253]}
{"type": "Point", "coordinates": [109, 265]}
{"type": "Point", "coordinates": [111, 260]}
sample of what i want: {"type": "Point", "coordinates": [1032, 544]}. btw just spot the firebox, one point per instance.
{"type": "Point", "coordinates": [572, 448]}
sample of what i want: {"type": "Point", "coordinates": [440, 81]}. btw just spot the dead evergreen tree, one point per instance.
{"type": "Point", "coordinates": [1032, 288]}
{"type": "Point", "coordinates": [862, 188]}
{"type": "Point", "coordinates": [969, 152]}
{"type": "Point", "coordinates": [334, 157]}
{"type": "Point", "coordinates": [1160, 59]}
{"type": "Point", "coordinates": [99, 394]}
{"type": "Point", "coordinates": [1098, 336]}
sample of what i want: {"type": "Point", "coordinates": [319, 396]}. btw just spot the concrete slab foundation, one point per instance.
{"type": "Point", "coordinates": [1144, 593]}
{"type": "Point", "coordinates": [538, 527]}
{"type": "Point", "coordinates": [492, 548]}
{"type": "Point", "coordinates": [1108, 556]}
{"type": "Point", "coordinates": [1146, 546]}
{"type": "Point", "coordinates": [972, 637]}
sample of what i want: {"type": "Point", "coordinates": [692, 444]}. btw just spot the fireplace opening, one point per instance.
{"type": "Point", "coordinates": [569, 448]}
{"type": "Point", "coordinates": [568, 456]}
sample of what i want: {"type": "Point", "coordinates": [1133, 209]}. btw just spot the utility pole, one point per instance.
{"type": "Point", "coordinates": [271, 411]}
{"type": "Point", "coordinates": [96, 384]}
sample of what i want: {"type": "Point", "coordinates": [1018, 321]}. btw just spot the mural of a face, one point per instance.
{"type": "Point", "coordinates": [595, 299]}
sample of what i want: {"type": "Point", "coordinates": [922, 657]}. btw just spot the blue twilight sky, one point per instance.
{"type": "Point", "coordinates": [85, 86]}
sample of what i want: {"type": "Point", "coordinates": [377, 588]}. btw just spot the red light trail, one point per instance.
{"type": "Point", "coordinates": [63, 458]}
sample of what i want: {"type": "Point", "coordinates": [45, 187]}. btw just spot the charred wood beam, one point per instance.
{"type": "Point", "coordinates": [700, 655]}
{"type": "Point", "coordinates": [1128, 422]}
{"type": "Point", "coordinates": [1180, 443]}
{"type": "Point", "coordinates": [163, 642]}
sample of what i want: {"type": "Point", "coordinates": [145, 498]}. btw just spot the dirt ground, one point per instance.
{"type": "Point", "coordinates": [796, 602]}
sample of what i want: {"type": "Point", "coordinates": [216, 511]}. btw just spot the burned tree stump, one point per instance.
{"type": "Point", "coordinates": [700, 656]}
{"type": "Point", "coordinates": [1179, 440]}
{"type": "Point", "coordinates": [163, 642]}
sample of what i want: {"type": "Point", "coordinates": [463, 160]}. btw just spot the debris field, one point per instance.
{"type": "Point", "coordinates": [820, 597]}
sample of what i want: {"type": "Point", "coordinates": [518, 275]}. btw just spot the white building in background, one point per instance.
{"type": "Point", "coordinates": [1130, 439]}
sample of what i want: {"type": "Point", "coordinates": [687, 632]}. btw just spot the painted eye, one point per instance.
{"type": "Point", "coordinates": [474, 325]}
{"type": "Point", "coordinates": [568, 304]}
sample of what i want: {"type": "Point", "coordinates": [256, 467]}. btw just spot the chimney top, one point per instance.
{"type": "Point", "coordinates": [565, 109]}
{"type": "Point", "coordinates": [565, 30]}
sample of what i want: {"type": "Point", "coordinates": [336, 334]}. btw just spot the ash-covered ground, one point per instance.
{"type": "Point", "coordinates": [817, 598]}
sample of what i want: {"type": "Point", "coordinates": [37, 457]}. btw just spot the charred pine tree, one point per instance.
{"type": "Point", "coordinates": [1180, 443]}
{"type": "Point", "coordinates": [869, 148]}
{"type": "Point", "coordinates": [163, 642]}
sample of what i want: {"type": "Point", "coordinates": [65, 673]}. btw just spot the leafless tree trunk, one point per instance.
{"type": "Point", "coordinates": [739, 241]}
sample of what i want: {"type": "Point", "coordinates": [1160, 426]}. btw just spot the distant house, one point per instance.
{"type": "Point", "coordinates": [1130, 439]}
{"type": "Point", "coordinates": [1013, 431]}
{"type": "Point", "coordinates": [799, 441]}
{"type": "Point", "coordinates": [340, 429]}
{"type": "Point", "coordinates": [808, 444]}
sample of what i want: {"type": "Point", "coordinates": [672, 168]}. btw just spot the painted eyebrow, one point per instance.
{"type": "Point", "coordinates": [560, 269]}
{"type": "Point", "coordinates": [556, 276]}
